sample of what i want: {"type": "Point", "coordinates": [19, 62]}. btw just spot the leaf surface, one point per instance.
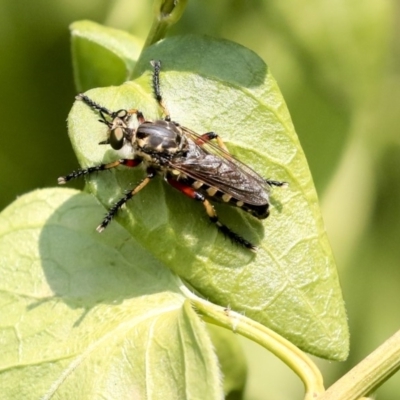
{"type": "Point", "coordinates": [102, 56]}
{"type": "Point", "coordinates": [291, 284]}
{"type": "Point", "coordinates": [88, 316]}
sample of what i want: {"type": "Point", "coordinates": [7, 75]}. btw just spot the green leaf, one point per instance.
{"type": "Point", "coordinates": [231, 359]}
{"type": "Point", "coordinates": [102, 56]}
{"type": "Point", "coordinates": [89, 316]}
{"type": "Point", "coordinates": [291, 284]}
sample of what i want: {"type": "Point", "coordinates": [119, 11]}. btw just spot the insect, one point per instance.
{"type": "Point", "coordinates": [191, 163]}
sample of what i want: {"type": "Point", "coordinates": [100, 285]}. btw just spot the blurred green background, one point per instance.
{"type": "Point", "coordinates": [338, 66]}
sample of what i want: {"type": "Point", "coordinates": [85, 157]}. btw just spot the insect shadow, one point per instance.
{"type": "Point", "coordinates": [84, 269]}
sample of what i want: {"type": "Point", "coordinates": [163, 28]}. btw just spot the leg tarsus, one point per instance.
{"type": "Point", "coordinates": [81, 172]}
{"type": "Point", "coordinates": [276, 183]}
{"type": "Point", "coordinates": [128, 195]}
{"type": "Point", "coordinates": [156, 64]}
{"type": "Point", "coordinates": [97, 168]}
{"type": "Point", "coordinates": [93, 104]}
{"type": "Point", "coordinates": [112, 114]}
{"type": "Point", "coordinates": [236, 238]}
{"type": "Point", "coordinates": [195, 195]}
{"type": "Point", "coordinates": [113, 211]}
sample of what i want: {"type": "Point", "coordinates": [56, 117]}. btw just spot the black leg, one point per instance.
{"type": "Point", "coordinates": [102, 167]}
{"type": "Point", "coordinates": [156, 64]}
{"type": "Point", "coordinates": [276, 183]}
{"type": "Point", "coordinates": [122, 113]}
{"type": "Point", "coordinates": [195, 195]}
{"type": "Point", "coordinates": [114, 209]}
{"type": "Point", "coordinates": [94, 105]}
{"type": "Point", "coordinates": [224, 229]}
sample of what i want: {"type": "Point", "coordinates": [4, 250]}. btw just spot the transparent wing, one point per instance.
{"type": "Point", "coordinates": [210, 164]}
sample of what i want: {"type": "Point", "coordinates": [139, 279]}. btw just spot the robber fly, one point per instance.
{"type": "Point", "coordinates": [189, 162]}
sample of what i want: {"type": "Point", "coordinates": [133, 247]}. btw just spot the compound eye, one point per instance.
{"type": "Point", "coordinates": [121, 114]}
{"type": "Point", "coordinates": [117, 138]}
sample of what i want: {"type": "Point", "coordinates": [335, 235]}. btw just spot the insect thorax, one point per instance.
{"type": "Point", "coordinates": [160, 138]}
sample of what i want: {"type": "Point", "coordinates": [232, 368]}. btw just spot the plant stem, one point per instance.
{"type": "Point", "coordinates": [369, 374]}
{"type": "Point", "coordinates": [166, 13]}
{"type": "Point", "coordinates": [293, 357]}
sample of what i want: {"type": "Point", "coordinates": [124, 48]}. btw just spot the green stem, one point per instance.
{"type": "Point", "coordinates": [369, 374]}
{"type": "Point", "coordinates": [166, 14]}
{"type": "Point", "coordinates": [293, 357]}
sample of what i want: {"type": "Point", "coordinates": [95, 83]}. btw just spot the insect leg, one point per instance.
{"type": "Point", "coordinates": [205, 137]}
{"type": "Point", "coordinates": [128, 195]}
{"type": "Point", "coordinates": [103, 110]}
{"type": "Point", "coordinates": [275, 183]}
{"type": "Point", "coordinates": [139, 115]}
{"type": "Point", "coordinates": [193, 194]}
{"type": "Point", "coordinates": [224, 229]}
{"type": "Point", "coordinates": [93, 104]}
{"type": "Point", "coordinates": [156, 64]}
{"type": "Point", "coordinates": [102, 167]}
